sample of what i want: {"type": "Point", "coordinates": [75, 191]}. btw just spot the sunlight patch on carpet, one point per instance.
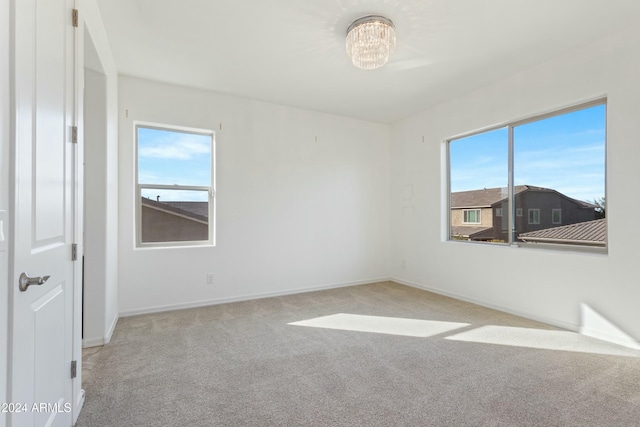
{"type": "Point", "coordinates": [542, 339]}
{"type": "Point", "coordinates": [381, 325]}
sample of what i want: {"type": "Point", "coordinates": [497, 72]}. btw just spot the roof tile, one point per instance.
{"type": "Point", "coordinates": [587, 232]}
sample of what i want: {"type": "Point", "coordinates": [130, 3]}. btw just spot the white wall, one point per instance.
{"type": "Point", "coordinates": [95, 207]}
{"type": "Point", "coordinates": [101, 174]}
{"type": "Point", "coordinates": [293, 213]}
{"type": "Point", "coordinates": [553, 286]}
{"type": "Point", "coordinates": [4, 197]}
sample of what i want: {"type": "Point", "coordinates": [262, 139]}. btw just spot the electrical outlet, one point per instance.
{"type": "Point", "coordinates": [210, 278]}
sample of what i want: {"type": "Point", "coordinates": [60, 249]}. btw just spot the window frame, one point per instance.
{"type": "Point", "coordinates": [499, 212]}
{"type": "Point", "coordinates": [513, 211]}
{"type": "Point", "coordinates": [211, 189]}
{"type": "Point", "coordinates": [479, 216]}
{"type": "Point", "coordinates": [553, 212]}
{"type": "Point", "coordinates": [536, 212]}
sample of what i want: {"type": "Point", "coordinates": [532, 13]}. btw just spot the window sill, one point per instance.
{"type": "Point", "coordinates": [539, 246]}
{"type": "Point", "coordinates": [176, 245]}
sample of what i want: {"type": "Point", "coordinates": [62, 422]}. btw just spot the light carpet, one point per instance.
{"type": "Point", "coordinates": [372, 355]}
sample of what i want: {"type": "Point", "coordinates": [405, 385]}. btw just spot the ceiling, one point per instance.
{"type": "Point", "coordinates": [292, 52]}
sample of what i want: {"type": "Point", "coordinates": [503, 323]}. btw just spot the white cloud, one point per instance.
{"type": "Point", "coordinates": [181, 149]}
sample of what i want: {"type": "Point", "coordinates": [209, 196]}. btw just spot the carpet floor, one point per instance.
{"type": "Point", "coordinates": [372, 355]}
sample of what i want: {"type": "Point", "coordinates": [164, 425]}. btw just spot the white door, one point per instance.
{"type": "Point", "coordinates": [41, 323]}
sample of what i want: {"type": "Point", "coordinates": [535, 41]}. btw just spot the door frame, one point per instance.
{"type": "Point", "coordinates": [101, 266]}
{"type": "Point", "coordinates": [77, 392]}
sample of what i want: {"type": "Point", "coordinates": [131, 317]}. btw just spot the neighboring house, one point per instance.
{"type": "Point", "coordinates": [483, 214]}
{"type": "Point", "coordinates": [174, 221]}
{"type": "Point", "coordinates": [592, 233]}
{"type": "Point", "coordinates": [471, 212]}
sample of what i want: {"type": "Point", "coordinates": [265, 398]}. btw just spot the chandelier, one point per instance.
{"type": "Point", "coordinates": [370, 41]}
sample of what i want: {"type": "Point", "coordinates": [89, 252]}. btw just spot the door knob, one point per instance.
{"type": "Point", "coordinates": [26, 281]}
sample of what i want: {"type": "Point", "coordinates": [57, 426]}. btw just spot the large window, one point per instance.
{"type": "Point", "coordinates": [175, 193]}
{"type": "Point", "coordinates": [551, 168]}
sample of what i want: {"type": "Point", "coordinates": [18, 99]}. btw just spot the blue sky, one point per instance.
{"type": "Point", "coordinates": [566, 153]}
{"type": "Point", "coordinates": [169, 158]}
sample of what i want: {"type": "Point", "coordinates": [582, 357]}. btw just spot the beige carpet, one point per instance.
{"type": "Point", "coordinates": [373, 355]}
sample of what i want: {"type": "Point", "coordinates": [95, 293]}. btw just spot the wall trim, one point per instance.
{"type": "Point", "coordinates": [96, 342]}
{"type": "Point", "coordinates": [483, 303]}
{"type": "Point", "coordinates": [109, 334]}
{"type": "Point", "coordinates": [604, 336]}
{"type": "Point", "coordinates": [248, 297]}
{"type": "Point", "coordinates": [93, 342]}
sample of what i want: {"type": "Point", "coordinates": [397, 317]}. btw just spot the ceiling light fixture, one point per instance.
{"type": "Point", "coordinates": [370, 41]}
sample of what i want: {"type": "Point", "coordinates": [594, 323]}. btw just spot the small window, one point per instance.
{"type": "Point", "coordinates": [534, 216]}
{"type": "Point", "coordinates": [556, 216]}
{"type": "Point", "coordinates": [472, 216]}
{"type": "Point", "coordinates": [498, 211]}
{"type": "Point", "coordinates": [519, 212]}
{"type": "Point", "coordinates": [175, 203]}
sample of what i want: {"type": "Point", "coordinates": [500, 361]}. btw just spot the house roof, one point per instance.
{"type": "Point", "coordinates": [483, 198]}
{"type": "Point", "coordinates": [590, 232]}
{"type": "Point", "coordinates": [486, 197]}
{"type": "Point", "coordinates": [197, 211]}
{"type": "Point", "coordinates": [467, 231]}
{"type": "Point", "coordinates": [197, 208]}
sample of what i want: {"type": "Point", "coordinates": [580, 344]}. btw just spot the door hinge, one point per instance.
{"type": "Point", "coordinates": [74, 18]}
{"type": "Point", "coordinates": [74, 134]}
{"type": "Point", "coordinates": [74, 369]}
{"type": "Point", "coordinates": [74, 252]}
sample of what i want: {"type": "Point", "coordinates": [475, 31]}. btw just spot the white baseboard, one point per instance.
{"type": "Point", "coordinates": [96, 342]}
{"type": "Point", "coordinates": [112, 328]}
{"type": "Point", "coordinates": [604, 336]}
{"type": "Point", "coordinates": [553, 322]}
{"type": "Point", "coordinates": [246, 297]}
{"type": "Point", "coordinates": [93, 342]}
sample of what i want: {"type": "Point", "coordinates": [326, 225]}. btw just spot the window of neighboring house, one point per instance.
{"type": "Point", "coordinates": [556, 158]}
{"type": "Point", "coordinates": [471, 216]}
{"type": "Point", "coordinates": [175, 191]}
